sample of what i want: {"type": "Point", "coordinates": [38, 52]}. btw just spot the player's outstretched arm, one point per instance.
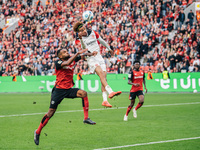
{"type": "Point", "coordinates": [131, 83]}
{"type": "Point", "coordinates": [71, 59]}
{"type": "Point", "coordinates": [89, 54]}
{"type": "Point", "coordinates": [104, 43]}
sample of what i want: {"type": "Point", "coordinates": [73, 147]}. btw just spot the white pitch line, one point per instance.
{"type": "Point", "coordinates": [17, 115]}
{"type": "Point", "coordinates": [150, 143]}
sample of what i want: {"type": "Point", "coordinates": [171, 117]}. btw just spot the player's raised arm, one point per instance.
{"type": "Point", "coordinates": [104, 43]}
{"type": "Point", "coordinates": [65, 57]}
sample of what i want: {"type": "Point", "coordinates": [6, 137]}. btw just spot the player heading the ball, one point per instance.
{"type": "Point", "coordinates": [95, 61]}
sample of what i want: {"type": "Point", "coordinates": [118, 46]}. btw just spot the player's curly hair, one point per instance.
{"type": "Point", "coordinates": [77, 25]}
{"type": "Point", "coordinates": [136, 61]}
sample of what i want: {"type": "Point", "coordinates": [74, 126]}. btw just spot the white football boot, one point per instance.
{"type": "Point", "coordinates": [125, 118]}
{"type": "Point", "coordinates": [134, 113]}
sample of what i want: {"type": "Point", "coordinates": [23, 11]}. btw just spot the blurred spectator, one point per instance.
{"type": "Point", "coordinates": [121, 67]}
{"type": "Point", "coordinates": [184, 68]}
{"type": "Point", "coordinates": [160, 65]}
{"type": "Point", "coordinates": [191, 68]}
{"type": "Point", "coordinates": [181, 18]}
{"type": "Point", "coordinates": [191, 17]}
{"type": "Point", "coordinates": [145, 60]}
{"type": "Point", "coordinates": [196, 62]}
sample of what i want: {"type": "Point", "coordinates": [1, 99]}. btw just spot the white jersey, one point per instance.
{"type": "Point", "coordinates": [90, 41]}
{"type": "Point", "coordinates": [92, 45]}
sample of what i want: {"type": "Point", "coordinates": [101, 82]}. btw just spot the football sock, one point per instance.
{"type": "Point", "coordinates": [44, 121]}
{"type": "Point", "coordinates": [108, 89]}
{"type": "Point", "coordinates": [139, 105]}
{"type": "Point", "coordinates": [85, 107]}
{"type": "Point", "coordinates": [128, 110]}
{"type": "Point", "coordinates": [104, 95]}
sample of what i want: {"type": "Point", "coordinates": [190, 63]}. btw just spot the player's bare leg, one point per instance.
{"type": "Point", "coordinates": [83, 94]}
{"type": "Point", "coordinates": [104, 83]}
{"type": "Point", "coordinates": [104, 94]}
{"type": "Point", "coordinates": [129, 109]}
{"type": "Point", "coordinates": [141, 101]}
{"type": "Point", "coordinates": [44, 121]}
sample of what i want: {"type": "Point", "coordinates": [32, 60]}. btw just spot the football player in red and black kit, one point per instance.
{"type": "Point", "coordinates": [64, 89]}
{"type": "Point", "coordinates": [136, 79]}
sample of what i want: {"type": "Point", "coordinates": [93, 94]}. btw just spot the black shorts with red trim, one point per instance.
{"type": "Point", "coordinates": [133, 95]}
{"type": "Point", "coordinates": [57, 95]}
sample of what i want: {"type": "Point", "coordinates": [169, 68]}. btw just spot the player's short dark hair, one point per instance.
{"type": "Point", "coordinates": [77, 26]}
{"type": "Point", "coordinates": [136, 61]}
{"type": "Point", "coordinates": [58, 52]}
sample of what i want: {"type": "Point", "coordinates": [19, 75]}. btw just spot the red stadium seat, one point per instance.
{"type": "Point", "coordinates": [152, 67]}
{"type": "Point", "coordinates": [146, 68]}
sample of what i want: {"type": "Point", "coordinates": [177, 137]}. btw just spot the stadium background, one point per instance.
{"type": "Point", "coordinates": [161, 34]}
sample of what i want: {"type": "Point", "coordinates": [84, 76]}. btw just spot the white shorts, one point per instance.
{"type": "Point", "coordinates": [95, 61]}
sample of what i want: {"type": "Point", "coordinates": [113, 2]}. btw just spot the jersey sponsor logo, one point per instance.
{"type": "Point", "coordinates": [91, 42]}
{"type": "Point", "coordinates": [71, 67]}
{"type": "Point", "coordinates": [68, 67]}
{"type": "Point", "coordinates": [59, 62]}
{"type": "Point", "coordinates": [138, 77]}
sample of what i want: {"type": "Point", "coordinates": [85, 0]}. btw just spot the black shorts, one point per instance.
{"type": "Point", "coordinates": [57, 95]}
{"type": "Point", "coordinates": [133, 95]}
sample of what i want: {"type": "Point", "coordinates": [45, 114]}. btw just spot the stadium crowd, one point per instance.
{"type": "Point", "coordinates": [133, 28]}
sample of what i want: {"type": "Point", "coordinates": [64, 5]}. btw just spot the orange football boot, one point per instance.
{"type": "Point", "coordinates": [106, 104]}
{"type": "Point", "coordinates": [111, 95]}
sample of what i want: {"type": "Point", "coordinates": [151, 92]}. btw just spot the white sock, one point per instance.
{"type": "Point", "coordinates": [108, 89]}
{"type": "Point", "coordinates": [104, 95]}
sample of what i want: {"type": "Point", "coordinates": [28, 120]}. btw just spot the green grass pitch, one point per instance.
{"type": "Point", "coordinates": [66, 131]}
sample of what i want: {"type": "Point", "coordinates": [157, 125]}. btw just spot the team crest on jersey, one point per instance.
{"type": "Point", "coordinates": [59, 62]}
{"type": "Point", "coordinates": [93, 36]}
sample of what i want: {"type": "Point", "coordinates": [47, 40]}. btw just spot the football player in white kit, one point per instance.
{"type": "Point", "coordinates": [95, 61]}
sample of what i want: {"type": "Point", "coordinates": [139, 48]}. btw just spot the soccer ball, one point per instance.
{"type": "Point", "coordinates": [87, 16]}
